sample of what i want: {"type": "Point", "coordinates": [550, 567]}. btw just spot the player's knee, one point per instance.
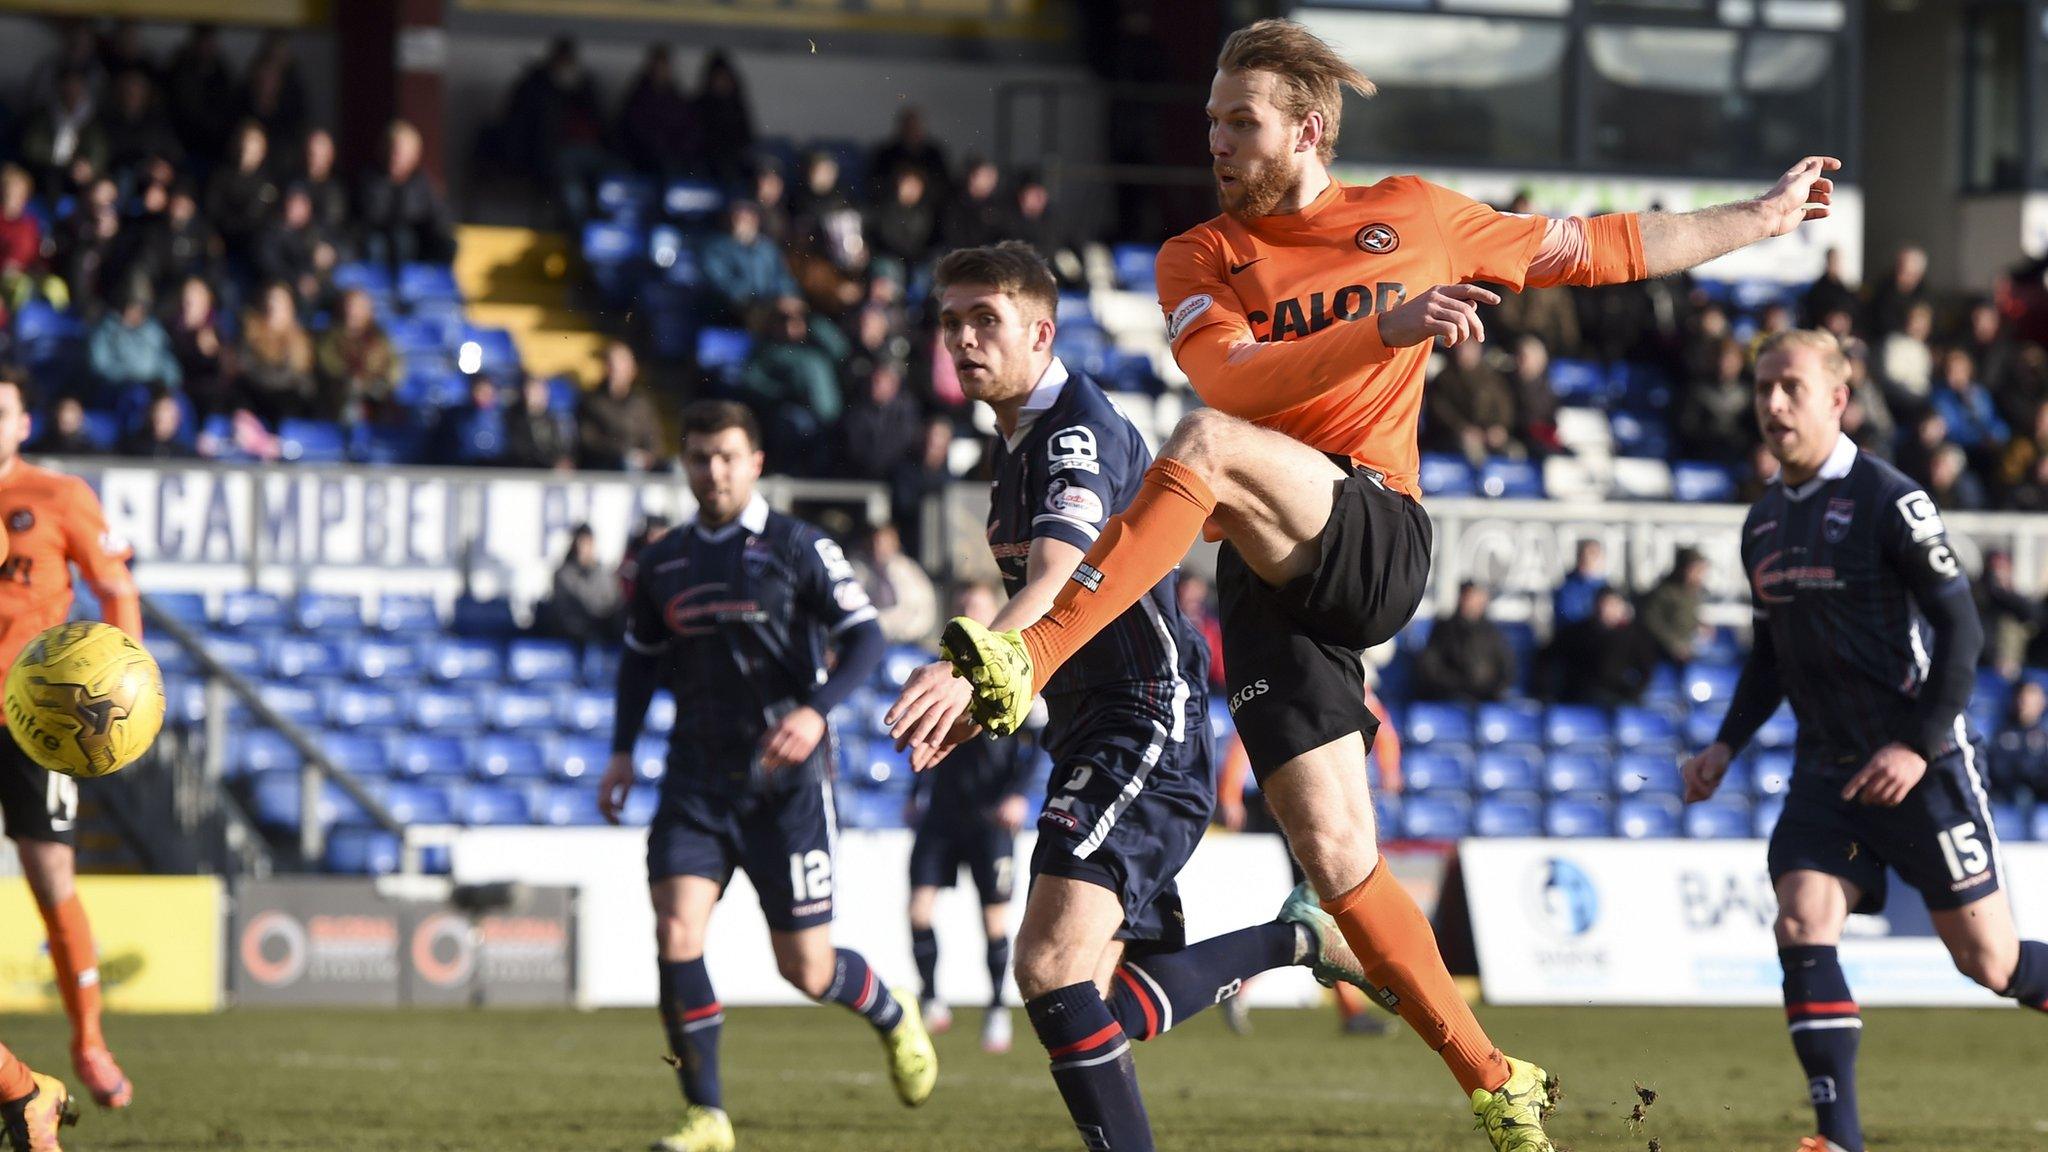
{"type": "Point", "coordinates": [1202, 437]}
{"type": "Point", "coordinates": [1795, 929]}
{"type": "Point", "coordinates": [678, 939]}
{"type": "Point", "coordinates": [1988, 965]}
{"type": "Point", "coordinates": [1040, 969]}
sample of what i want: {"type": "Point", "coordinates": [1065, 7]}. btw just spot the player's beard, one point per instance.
{"type": "Point", "coordinates": [1260, 189]}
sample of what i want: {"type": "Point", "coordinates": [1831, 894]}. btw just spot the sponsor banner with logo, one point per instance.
{"type": "Point", "coordinates": [158, 939]}
{"type": "Point", "coordinates": [1689, 922]}
{"type": "Point", "coordinates": [1231, 882]}
{"type": "Point", "coordinates": [343, 942]}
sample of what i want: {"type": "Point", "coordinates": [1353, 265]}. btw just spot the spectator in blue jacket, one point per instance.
{"type": "Point", "coordinates": [1574, 599]}
{"type": "Point", "coordinates": [130, 349]}
{"type": "Point", "coordinates": [1973, 421]}
{"type": "Point", "coordinates": [742, 268]}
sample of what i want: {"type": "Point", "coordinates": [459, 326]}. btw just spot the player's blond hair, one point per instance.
{"type": "Point", "coordinates": [1832, 357]}
{"type": "Point", "coordinates": [1312, 74]}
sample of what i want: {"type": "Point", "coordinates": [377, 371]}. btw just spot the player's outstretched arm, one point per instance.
{"type": "Point", "coordinates": [1675, 241]}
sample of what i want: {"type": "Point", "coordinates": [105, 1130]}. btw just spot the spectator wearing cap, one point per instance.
{"type": "Point", "coordinates": [1467, 657]}
{"type": "Point", "coordinates": [1670, 612]}
{"type": "Point", "coordinates": [129, 349]}
{"type": "Point", "coordinates": [742, 269]}
{"type": "Point", "coordinates": [617, 428]}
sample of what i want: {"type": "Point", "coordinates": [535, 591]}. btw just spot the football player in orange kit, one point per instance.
{"type": "Point", "coordinates": [52, 522]}
{"type": "Point", "coordinates": [1304, 315]}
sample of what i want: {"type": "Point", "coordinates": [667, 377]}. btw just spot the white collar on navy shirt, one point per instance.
{"type": "Point", "coordinates": [1835, 467]}
{"type": "Point", "coordinates": [753, 518]}
{"type": "Point", "coordinates": [1044, 395]}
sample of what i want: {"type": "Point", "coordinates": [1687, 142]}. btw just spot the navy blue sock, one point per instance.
{"type": "Point", "coordinates": [998, 964]}
{"type": "Point", "coordinates": [924, 947]}
{"type": "Point", "coordinates": [855, 985]}
{"type": "Point", "coordinates": [1159, 990]}
{"type": "Point", "coordinates": [1826, 1028]}
{"type": "Point", "coordinates": [691, 1014]}
{"type": "Point", "coordinates": [1091, 1064]}
{"type": "Point", "coordinates": [2030, 980]}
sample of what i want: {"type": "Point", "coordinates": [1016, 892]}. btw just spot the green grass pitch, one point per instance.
{"type": "Point", "coordinates": [810, 1080]}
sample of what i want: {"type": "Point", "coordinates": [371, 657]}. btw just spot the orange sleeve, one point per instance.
{"type": "Point", "coordinates": [1386, 746]}
{"type": "Point", "coordinates": [1585, 253]}
{"type": "Point", "coordinates": [1230, 778]}
{"type": "Point", "coordinates": [101, 558]}
{"type": "Point", "coordinates": [1230, 370]}
{"type": "Point", "coordinates": [1485, 244]}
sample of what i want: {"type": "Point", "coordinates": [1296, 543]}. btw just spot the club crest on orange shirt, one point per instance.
{"type": "Point", "coordinates": [20, 520]}
{"type": "Point", "coordinates": [1378, 239]}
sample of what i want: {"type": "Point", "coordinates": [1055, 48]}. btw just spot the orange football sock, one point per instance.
{"type": "Point", "coordinates": [1350, 1001]}
{"type": "Point", "coordinates": [78, 973]}
{"type": "Point", "coordinates": [1148, 540]}
{"type": "Point", "coordinates": [15, 1081]}
{"type": "Point", "coordinates": [1394, 939]}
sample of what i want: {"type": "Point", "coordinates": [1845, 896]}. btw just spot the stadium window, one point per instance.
{"type": "Point", "coordinates": [1752, 102]}
{"type": "Point", "coordinates": [1994, 68]}
{"type": "Point", "coordinates": [1452, 89]}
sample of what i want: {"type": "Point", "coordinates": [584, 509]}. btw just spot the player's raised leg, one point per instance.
{"type": "Point", "coordinates": [50, 868]}
{"type": "Point", "coordinates": [32, 1106]}
{"type": "Point", "coordinates": [1987, 948]}
{"type": "Point", "coordinates": [1266, 491]}
{"type": "Point", "coordinates": [1820, 1012]}
{"type": "Point", "coordinates": [690, 1011]}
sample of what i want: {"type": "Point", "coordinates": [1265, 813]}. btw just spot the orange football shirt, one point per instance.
{"type": "Point", "coordinates": [1351, 254]}
{"type": "Point", "coordinates": [53, 521]}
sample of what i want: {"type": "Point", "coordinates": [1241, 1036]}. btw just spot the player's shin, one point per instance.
{"type": "Point", "coordinates": [2030, 979]}
{"type": "Point", "coordinates": [1092, 1066]}
{"type": "Point", "coordinates": [693, 1019]}
{"type": "Point", "coordinates": [1826, 1028]}
{"type": "Point", "coordinates": [1136, 549]}
{"type": "Point", "coordinates": [1151, 995]}
{"type": "Point", "coordinates": [924, 948]}
{"type": "Point", "coordinates": [15, 1079]}
{"type": "Point", "coordinates": [77, 963]}
{"type": "Point", "coordinates": [1395, 943]}
{"type": "Point", "coordinates": [855, 985]}
{"type": "Point", "coordinates": [998, 957]}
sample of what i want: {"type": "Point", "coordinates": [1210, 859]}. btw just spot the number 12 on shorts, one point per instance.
{"type": "Point", "coordinates": [1965, 854]}
{"type": "Point", "coordinates": [810, 874]}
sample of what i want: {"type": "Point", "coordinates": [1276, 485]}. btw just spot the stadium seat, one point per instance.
{"type": "Point", "coordinates": [251, 750]}
{"type": "Point", "coordinates": [407, 615]}
{"type": "Point", "coordinates": [1430, 770]}
{"type": "Point", "coordinates": [294, 657]}
{"type": "Point", "coordinates": [362, 852]}
{"type": "Point", "coordinates": [455, 660]}
{"type": "Point", "coordinates": [361, 755]}
{"type": "Point", "coordinates": [1447, 475]}
{"type": "Point", "coordinates": [571, 758]}
{"type": "Point", "coordinates": [411, 803]}
{"type": "Point", "coordinates": [374, 659]}
{"type": "Point", "coordinates": [650, 758]}
{"type": "Point", "coordinates": [1721, 647]}
{"type": "Point", "coordinates": [483, 617]}
{"type": "Point", "coordinates": [545, 662]}
{"type": "Point", "coordinates": [661, 714]}
{"type": "Point", "coordinates": [1721, 818]}
{"type": "Point", "coordinates": [1647, 772]}
{"type": "Point", "coordinates": [1695, 483]}
{"type": "Point", "coordinates": [2040, 822]}
{"type": "Point", "coordinates": [329, 612]}
{"type": "Point", "coordinates": [421, 282]}
{"type": "Point", "coordinates": [363, 707]}
{"type": "Point", "coordinates": [274, 802]}
{"type": "Point", "coordinates": [1574, 817]}
{"type": "Point", "coordinates": [527, 710]}
{"type": "Point", "coordinates": [1435, 817]}
{"type": "Point", "coordinates": [1576, 773]}
{"type": "Point", "coordinates": [897, 665]}
{"type": "Point", "coordinates": [1780, 731]}
{"type": "Point", "coordinates": [876, 763]}
{"type": "Point", "coordinates": [567, 805]}
{"type": "Point", "coordinates": [311, 442]}
{"type": "Point", "coordinates": [1647, 818]}
{"type": "Point", "coordinates": [1512, 768]}
{"type": "Point", "coordinates": [1706, 683]}
{"type": "Point", "coordinates": [1702, 724]}
{"type": "Point", "coordinates": [692, 200]}
{"type": "Point", "coordinates": [1510, 724]}
{"type": "Point", "coordinates": [482, 807]}
{"type": "Point", "coordinates": [601, 667]}
{"type": "Point", "coordinates": [1579, 382]}
{"type": "Point", "coordinates": [369, 277]}
{"type": "Point", "coordinates": [1569, 725]}
{"type": "Point", "coordinates": [502, 757]}
{"type": "Point", "coordinates": [444, 710]}
{"type": "Point", "coordinates": [250, 609]}
{"type": "Point", "coordinates": [1664, 692]}
{"type": "Point", "coordinates": [1429, 721]}
{"type": "Point", "coordinates": [583, 711]}
{"type": "Point", "coordinates": [1772, 773]}
{"type": "Point", "coordinates": [1511, 480]}
{"type": "Point", "coordinates": [419, 755]}
{"type": "Point", "coordinates": [187, 608]}
{"type": "Point", "coordinates": [1636, 727]}
{"type": "Point", "coordinates": [238, 654]}
{"type": "Point", "coordinates": [172, 658]}
{"type": "Point", "coordinates": [298, 704]}
{"type": "Point", "coordinates": [1136, 266]}
{"type": "Point", "coordinates": [2009, 821]}
{"type": "Point", "coordinates": [1508, 814]}
{"type": "Point", "coordinates": [1764, 818]}
{"type": "Point", "coordinates": [723, 351]}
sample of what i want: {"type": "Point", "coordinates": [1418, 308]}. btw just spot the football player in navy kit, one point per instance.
{"type": "Point", "coordinates": [1865, 623]}
{"type": "Point", "coordinates": [739, 608]}
{"type": "Point", "coordinates": [1101, 955]}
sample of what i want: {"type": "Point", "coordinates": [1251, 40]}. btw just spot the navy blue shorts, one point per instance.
{"type": "Point", "coordinates": [949, 840]}
{"type": "Point", "coordinates": [782, 839]}
{"type": "Point", "coordinates": [1129, 798]}
{"type": "Point", "coordinates": [1939, 838]}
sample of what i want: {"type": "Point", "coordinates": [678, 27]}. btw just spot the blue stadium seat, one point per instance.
{"type": "Point", "coordinates": [1432, 770]}
{"type": "Point", "coordinates": [692, 200]}
{"type": "Point", "coordinates": [520, 710]}
{"type": "Point", "coordinates": [407, 615]}
{"type": "Point", "coordinates": [364, 707]}
{"type": "Point", "coordinates": [1780, 731]}
{"type": "Point", "coordinates": [1575, 817]}
{"type": "Point", "coordinates": [496, 757]}
{"type": "Point", "coordinates": [445, 710]}
{"type": "Point", "coordinates": [184, 700]}
{"type": "Point", "coordinates": [429, 385]}
{"type": "Point", "coordinates": [1575, 773]}
{"type": "Point", "coordinates": [1696, 483]}
{"type": "Point", "coordinates": [876, 763]}
{"type": "Point", "coordinates": [241, 654]}
{"type": "Point", "coordinates": [584, 711]}
{"type": "Point", "coordinates": [661, 714]}
{"type": "Point", "coordinates": [1508, 814]}
{"type": "Point", "coordinates": [1636, 727]}
{"type": "Point", "coordinates": [330, 612]}
{"type": "Point", "coordinates": [372, 278]}
{"type": "Point", "coordinates": [311, 442]}
{"type": "Point", "coordinates": [1136, 266]}
{"type": "Point", "coordinates": [1511, 480]}
{"type": "Point", "coordinates": [293, 702]}
{"type": "Point", "coordinates": [545, 662]}
{"type": "Point", "coordinates": [1764, 818]}
{"type": "Point", "coordinates": [723, 351]}
{"type": "Point", "coordinates": [2040, 822]}
{"type": "Point", "coordinates": [571, 758]}
{"type": "Point", "coordinates": [1718, 819]}
{"type": "Point", "coordinates": [482, 807]}
{"type": "Point", "coordinates": [411, 803]}
{"type": "Point", "coordinates": [250, 609]}
{"type": "Point", "coordinates": [1430, 721]}
{"type": "Point", "coordinates": [2010, 822]}
{"type": "Point", "coordinates": [1706, 683]}
{"type": "Point", "coordinates": [274, 801]}
{"type": "Point", "coordinates": [172, 658]}
{"type": "Point", "coordinates": [1446, 475]}
{"type": "Point", "coordinates": [601, 667]}
{"type": "Point", "coordinates": [650, 757]}
{"type": "Point", "coordinates": [1435, 817]}
{"type": "Point", "coordinates": [1651, 772]}
{"type": "Point", "coordinates": [1772, 772]}
{"type": "Point", "coordinates": [1703, 723]}
{"type": "Point", "coordinates": [1720, 647]}
{"type": "Point", "coordinates": [293, 657]}
{"type": "Point", "coordinates": [1647, 818]}
{"type": "Point", "coordinates": [897, 665]}
{"type": "Point", "coordinates": [567, 805]}
{"type": "Point", "coordinates": [1566, 725]}
{"type": "Point", "coordinates": [1509, 768]}
{"type": "Point", "coordinates": [418, 282]}
{"type": "Point", "coordinates": [361, 754]}
{"type": "Point", "coordinates": [1579, 382]}
{"type": "Point", "coordinates": [374, 659]}
{"type": "Point", "coordinates": [1521, 638]}
{"type": "Point", "coordinates": [418, 755]}
{"type": "Point", "coordinates": [1510, 724]}
{"type": "Point", "coordinates": [362, 852]}
{"type": "Point", "coordinates": [259, 750]}
{"type": "Point", "coordinates": [1640, 434]}
{"type": "Point", "coordinates": [187, 608]}
{"type": "Point", "coordinates": [1663, 691]}
{"type": "Point", "coordinates": [452, 659]}
{"type": "Point", "coordinates": [483, 617]}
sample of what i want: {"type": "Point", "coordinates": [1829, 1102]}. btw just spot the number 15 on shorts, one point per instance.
{"type": "Point", "coordinates": [1962, 850]}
